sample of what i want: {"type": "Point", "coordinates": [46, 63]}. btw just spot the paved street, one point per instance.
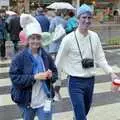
{"type": "Point", "coordinates": [106, 105]}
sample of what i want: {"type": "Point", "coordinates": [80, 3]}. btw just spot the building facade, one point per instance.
{"type": "Point", "coordinates": [26, 5]}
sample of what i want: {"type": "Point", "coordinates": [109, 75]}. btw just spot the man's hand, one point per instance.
{"type": "Point", "coordinates": [114, 88]}
{"type": "Point", "coordinates": [114, 76]}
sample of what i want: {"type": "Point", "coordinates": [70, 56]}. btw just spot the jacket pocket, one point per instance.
{"type": "Point", "coordinates": [20, 96]}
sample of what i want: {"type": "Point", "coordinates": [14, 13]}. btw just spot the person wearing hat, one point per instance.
{"type": "Point", "coordinates": [32, 73]}
{"type": "Point", "coordinates": [78, 55]}
{"type": "Point", "coordinates": [42, 19]}
{"type": "Point", "coordinates": [72, 22]}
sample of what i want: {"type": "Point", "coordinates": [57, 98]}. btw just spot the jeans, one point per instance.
{"type": "Point", "coordinates": [15, 42]}
{"type": "Point", "coordinates": [2, 48]}
{"type": "Point", "coordinates": [81, 92]}
{"type": "Point", "coordinates": [28, 113]}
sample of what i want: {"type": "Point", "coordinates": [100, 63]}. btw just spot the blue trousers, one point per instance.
{"type": "Point", "coordinates": [28, 113]}
{"type": "Point", "coordinates": [81, 92]}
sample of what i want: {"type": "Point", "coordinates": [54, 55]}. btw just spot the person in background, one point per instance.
{"type": "Point", "coordinates": [32, 78]}
{"type": "Point", "coordinates": [54, 46]}
{"type": "Point", "coordinates": [42, 19]}
{"type": "Point", "coordinates": [9, 17]}
{"type": "Point", "coordinates": [3, 34]}
{"type": "Point", "coordinates": [14, 29]}
{"type": "Point", "coordinates": [50, 14]}
{"type": "Point", "coordinates": [78, 55]}
{"type": "Point", "coordinates": [57, 20]}
{"type": "Point", "coordinates": [23, 40]}
{"type": "Point", "coordinates": [72, 22]}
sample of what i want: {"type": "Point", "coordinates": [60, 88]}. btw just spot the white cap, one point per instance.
{"type": "Point", "coordinates": [26, 19]}
{"type": "Point", "coordinates": [83, 9]}
{"type": "Point", "coordinates": [32, 28]}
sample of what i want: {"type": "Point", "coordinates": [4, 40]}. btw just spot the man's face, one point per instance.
{"type": "Point", "coordinates": [85, 21]}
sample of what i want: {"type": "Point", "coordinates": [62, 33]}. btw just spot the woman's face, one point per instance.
{"type": "Point", "coordinates": [85, 21]}
{"type": "Point", "coordinates": [34, 41]}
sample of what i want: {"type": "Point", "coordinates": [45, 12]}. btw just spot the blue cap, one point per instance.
{"type": "Point", "coordinates": [84, 9]}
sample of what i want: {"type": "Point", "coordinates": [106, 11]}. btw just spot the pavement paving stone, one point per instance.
{"type": "Point", "coordinates": [106, 105]}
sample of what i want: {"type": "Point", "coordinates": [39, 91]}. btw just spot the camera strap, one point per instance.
{"type": "Point", "coordinates": [79, 45]}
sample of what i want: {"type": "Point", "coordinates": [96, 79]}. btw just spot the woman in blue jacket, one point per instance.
{"type": "Point", "coordinates": [32, 73]}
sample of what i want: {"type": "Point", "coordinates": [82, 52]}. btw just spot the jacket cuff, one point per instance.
{"type": "Point", "coordinates": [33, 80]}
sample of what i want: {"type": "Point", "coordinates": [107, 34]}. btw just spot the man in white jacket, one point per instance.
{"type": "Point", "coordinates": [78, 55]}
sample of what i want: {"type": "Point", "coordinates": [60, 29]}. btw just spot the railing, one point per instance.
{"type": "Point", "coordinates": [109, 33]}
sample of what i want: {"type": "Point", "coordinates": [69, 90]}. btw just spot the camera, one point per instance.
{"type": "Point", "coordinates": [87, 63]}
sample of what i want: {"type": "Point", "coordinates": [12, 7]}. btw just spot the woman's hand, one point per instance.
{"type": "Point", "coordinates": [49, 74]}
{"type": "Point", "coordinates": [43, 75]}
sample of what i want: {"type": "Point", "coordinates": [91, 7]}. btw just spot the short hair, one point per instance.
{"type": "Point", "coordinates": [58, 12]}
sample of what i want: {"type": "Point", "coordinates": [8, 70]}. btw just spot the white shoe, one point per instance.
{"type": "Point", "coordinates": [57, 97]}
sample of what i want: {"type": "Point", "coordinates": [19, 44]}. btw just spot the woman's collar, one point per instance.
{"type": "Point", "coordinates": [39, 51]}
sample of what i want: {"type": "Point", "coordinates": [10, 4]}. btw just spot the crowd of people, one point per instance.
{"type": "Point", "coordinates": [77, 51]}
{"type": "Point", "coordinates": [11, 26]}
